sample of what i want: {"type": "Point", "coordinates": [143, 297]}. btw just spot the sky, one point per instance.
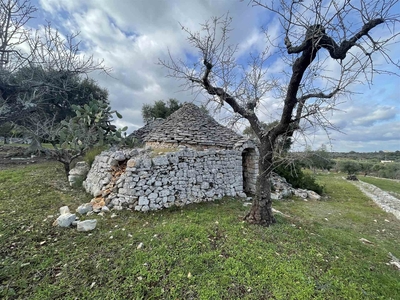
{"type": "Point", "coordinates": [132, 35]}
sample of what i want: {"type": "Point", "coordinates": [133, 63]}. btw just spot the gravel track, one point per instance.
{"type": "Point", "coordinates": [384, 200]}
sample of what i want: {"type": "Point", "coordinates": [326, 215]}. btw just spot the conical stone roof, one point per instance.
{"type": "Point", "coordinates": [189, 125]}
{"type": "Point", "coordinates": [142, 132]}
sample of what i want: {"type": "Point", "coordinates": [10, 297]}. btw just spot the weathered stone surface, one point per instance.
{"type": "Point", "coordinates": [190, 125]}
{"type": "Point", "coordinates": [64, 210]}
{"type": "Point", "coordinates": [301, 193]}
{"type": "Point", "coordinates": [65, 220]}
{"type": "Point", "coordinates": [143, 200]}
{"type": "Point", "coordinates": [119, 156]}
{"type": "Point", "coordinates": [160, 161]}
{"type": "Point", "coordinates": [86, 225]}
{"type": "Point", "coordinates": [84, 208]}
{"type": "Point", "coordinates": [313, 195]}
{"type": "Point", "coordinates": [78, 174]}
{"type": "Point", "coordinates": [105, 209]}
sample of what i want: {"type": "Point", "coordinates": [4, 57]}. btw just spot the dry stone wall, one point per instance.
{"type": "Point", "coordinates": [132, 178]}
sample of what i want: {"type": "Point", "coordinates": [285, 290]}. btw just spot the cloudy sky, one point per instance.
{"type": "Point", "coordinates": [131, 35]}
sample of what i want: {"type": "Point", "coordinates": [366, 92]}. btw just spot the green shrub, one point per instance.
{"type": "Point", "coordinates": [93, 152]}
{"type": "Point", "coordinates": [298, 179]}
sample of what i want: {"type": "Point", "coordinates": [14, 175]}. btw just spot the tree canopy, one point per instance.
{"type": "Point", "coordinates": [160, 109]}
{"type": "Point", "coordinates": [40, 70]}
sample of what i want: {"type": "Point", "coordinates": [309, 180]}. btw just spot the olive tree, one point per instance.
{"type": "Point", "coordinates": [34, 65]}
{"type": "Point", "coordinates": [314, 36]}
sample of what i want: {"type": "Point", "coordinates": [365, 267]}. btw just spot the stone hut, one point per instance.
{"type": "Point", "coordinates": [188, 157]}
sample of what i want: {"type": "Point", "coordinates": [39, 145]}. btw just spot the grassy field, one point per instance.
{"type": "Point", "coordinates": [387, 185]}
{"type": "Point", "coordinates": [202, 251]}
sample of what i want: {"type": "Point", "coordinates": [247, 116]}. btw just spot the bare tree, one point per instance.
{"type": "Point", "coordinates": [315, 35]}
{"type": "Point", "coordinates": [28, 59]}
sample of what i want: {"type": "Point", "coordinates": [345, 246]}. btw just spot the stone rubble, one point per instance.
{"type": "Point", "coordinates": [383, 199]}
{"type": "Point", "coordinates": [66, 219]}
{"type": "Point", "coordinates": [86, 225]}
{"type": "Point", "coordinates": [78, 174]}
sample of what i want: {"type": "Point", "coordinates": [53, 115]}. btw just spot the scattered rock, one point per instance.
{"type": "Point", "coordinates": [394, 261]}
{"type": "Point", "coordinates": [84, 208]}
{"type": "Point", "coordinates": [313, 195]}
{"type": "Point", "coordinates": [87, 225]}
{"type": "Point", "coordinates": [65, 220]}
{"type": "Point", "coordinates": [365, 241]}
{"type": "Point", "coordinates": [301, 193]}
{"type": "Point", "coordinates": [64, 210]}
{"type": "Point", "coordinates": [78, 174]}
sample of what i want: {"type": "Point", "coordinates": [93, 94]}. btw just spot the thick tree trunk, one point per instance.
{"type": "Point", "coordinates": [66, 168]}
{"type": "Point", "coordinates": [261, 210]}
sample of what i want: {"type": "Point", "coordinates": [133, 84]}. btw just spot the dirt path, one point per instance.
{"type": "Point", "coordinates": [12, 156]}
{"type": "Point", "coordinates": [384, 200]}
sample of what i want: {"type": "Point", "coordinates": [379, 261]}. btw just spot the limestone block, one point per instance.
{"type": "Point", "coordinates": [119, 156]}
{"type": "Point", "coordinates": [86, 225]}
{"type": "Point", "coordinates": [164, 193]}
{"type": "Point", "coordinates": [131, 163]}
{"type": "Point", "coordinates": [141, 182]}
{"type": "Point", "coordinates": [143, 200]}
{"type": "Point", "coordinates": [146, 163]}
{"type": "Point", "coordinates": [152, 196]}
{"type": "Point", "coordinates": [65, 220]}
{"type": "Point", "coordinates": [301, 193]}
{"type": "Point", "coordinates": [160, 161]}
{"type": "Point", "coordinates": [313, 195]}
{"type": "Point", "coordinates": [84, 208]}
{"type": "Point", "coordinates": [64, 210]}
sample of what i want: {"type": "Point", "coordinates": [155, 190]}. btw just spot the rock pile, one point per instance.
{"type": "Point", "coordinates": [67, 219]}
{"type": "Point", "coordinates": [282, 189]}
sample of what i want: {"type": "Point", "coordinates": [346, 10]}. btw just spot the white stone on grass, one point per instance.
{"type": "Point", "coordinates": [65, 220]}
{"type": "Point", "coordinates": [105, 209]}
{"type": "Point", "coordinates": [84, 208]}
{"type": "Point", "coordinates": [313, 195]}
{"type": "Point", "coordinates": [86, 225]}
{"type": "Point", "coordinates": [64, 210]}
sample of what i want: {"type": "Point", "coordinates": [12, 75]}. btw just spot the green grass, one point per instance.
{"type": "Point", "coordinates": [387, 185]}
{"type": "Point", "coordinates": [44, 145]}
{"type": "Point", "coordinates": [315, 253]}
